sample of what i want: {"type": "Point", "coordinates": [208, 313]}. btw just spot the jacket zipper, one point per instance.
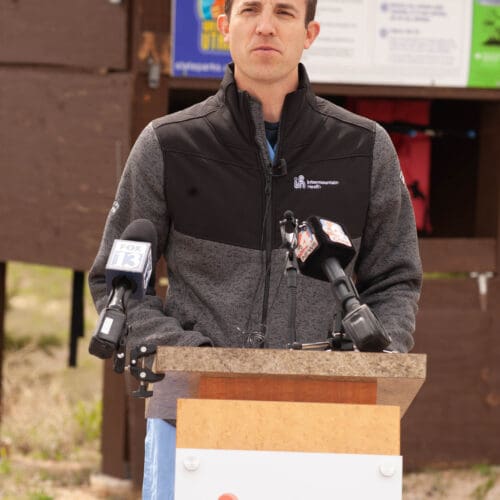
{"type": "Point", "coordinates": [268, 236]}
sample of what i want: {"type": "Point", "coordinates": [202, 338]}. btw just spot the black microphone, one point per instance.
{"type": "Point", "coordinates": [323, 251]}
{"type": "Point", "coordinates": [288, 229]}
{"type": "Point", "coordinates": [129, 273]}
{"type": "Point", "coordinates": [289, 221]}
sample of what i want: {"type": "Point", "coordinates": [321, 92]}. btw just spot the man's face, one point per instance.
{"type": "Point", "coordinates": [266, 39]}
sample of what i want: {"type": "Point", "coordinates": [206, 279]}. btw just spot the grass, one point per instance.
{"type": "Point", "coordinates": [51, 413]}
{"type": "Point", "coordinates": [89, 418]}
{"type": "Point", "coordinates": [490, 476]}
{"type": "Point", "coordinates": [40, 496]}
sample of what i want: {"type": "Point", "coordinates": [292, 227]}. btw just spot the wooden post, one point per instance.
{"type": "Point", "coordinates": [114, 427]}
{"type": "Point", "coordinates": [3, 300]}
{"type": "Point", "coordinates": [76, 316]}
{"type": "Point", "coordinates": [150, 45]}
{"type": "Point", "coordinates": [149, 34]}
{"type": "Point", "coordinates": [488, 184]}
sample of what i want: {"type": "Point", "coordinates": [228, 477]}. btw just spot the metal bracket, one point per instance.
{"type": "Point", "coordinates": [482, 283]}
{"type": "Point", "coordinates": [154, 73]}
{"type": "Point", "coordinates": [142, 372]}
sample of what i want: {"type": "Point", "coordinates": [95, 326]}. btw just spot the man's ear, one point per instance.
{"type": "Point", "coordinates": [312, 32]}
{"type": "Point", "coordinates": [223, 26]}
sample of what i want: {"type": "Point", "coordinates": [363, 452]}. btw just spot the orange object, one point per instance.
{"type": "Point", "coordinates": [414, 151]}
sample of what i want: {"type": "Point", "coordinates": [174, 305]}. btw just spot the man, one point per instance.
{"type": "Point", "coordinates": [216, 178]}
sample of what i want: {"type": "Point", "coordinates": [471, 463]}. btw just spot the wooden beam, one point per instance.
{"type": "Point", "coordinates": [386, 91]}
{"type": "Point", "coordinates": [488, 190]}
{"type": "Point", "coordinates": [395, 91]}
{"type": "Point", "coordinates": [450, 255]}
{"type": "Point", "coordinates": [488, 183]}
{"type": "Point", "coordinates": [44, 33]}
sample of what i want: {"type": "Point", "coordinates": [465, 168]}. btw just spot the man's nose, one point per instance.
{"type": "Point", "coordinates": [265, 24]}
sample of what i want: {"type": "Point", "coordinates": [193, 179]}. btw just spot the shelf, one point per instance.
{"type": "Point", "coordinates": [390, 91]}
{"type": "Point", "coordinates": [361, 90]}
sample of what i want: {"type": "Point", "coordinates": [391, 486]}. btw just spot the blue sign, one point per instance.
{"type": "Point", "coordinates": [198, 49]}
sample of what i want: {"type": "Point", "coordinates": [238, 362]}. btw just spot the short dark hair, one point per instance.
{"type": "Point", "coordinates": [310, 9]}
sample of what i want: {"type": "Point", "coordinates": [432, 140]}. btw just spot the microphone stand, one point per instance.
{"type": "Point", "coordinates": [289, 229]}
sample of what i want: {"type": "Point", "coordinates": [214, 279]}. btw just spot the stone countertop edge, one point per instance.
{"type": "Point", "coordinates": [226, 361]}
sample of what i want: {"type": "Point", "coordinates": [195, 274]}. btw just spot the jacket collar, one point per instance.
{"type": "Point", "coordinates": [241, 102]}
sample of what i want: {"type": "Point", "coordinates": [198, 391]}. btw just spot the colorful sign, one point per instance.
{"type": "Point", "coordinates": [198, 49]}
{"type": "Point", "coordinates": [446, 43]}
{"type": "Point", "coordinates": [485, 53]}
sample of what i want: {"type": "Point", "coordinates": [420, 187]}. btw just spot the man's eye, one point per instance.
{"type": "Point", "coordinates": [285, 13]}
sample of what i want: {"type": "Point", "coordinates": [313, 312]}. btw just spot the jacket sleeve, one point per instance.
{"type": "Point", "coordinates": [388, 269]}
{"type": "Point", "coordinates": [141, 195]}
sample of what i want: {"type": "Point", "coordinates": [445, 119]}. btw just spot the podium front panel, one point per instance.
{"type": "Point", "coordinates": [248, 475]}
{"type": "Point", "coordinates": [282, 426]}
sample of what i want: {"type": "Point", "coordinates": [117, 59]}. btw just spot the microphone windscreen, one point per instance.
{"type": "Point", "coordinates": [142, 230]}
{"type": "Point", "coordinates": [131, 258]}
{"type": "Point", "coordinates": [318, 240]}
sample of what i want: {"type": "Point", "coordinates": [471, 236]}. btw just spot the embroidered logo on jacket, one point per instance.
{"type": "Point", "coordinates": [300, 182]}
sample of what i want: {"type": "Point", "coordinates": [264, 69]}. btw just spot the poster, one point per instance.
{"type": "Point", "coordinates": [485, 53]}
{"type": "Point", "coordinates": [446, 43]}
{"type": "Point", "coordinates": [198, 49]}
{"type": "Point", "coordinates": [392, 42]}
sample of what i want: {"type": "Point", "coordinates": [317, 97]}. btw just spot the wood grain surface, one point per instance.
{"type": "Point", "coordinates": [64, 138]}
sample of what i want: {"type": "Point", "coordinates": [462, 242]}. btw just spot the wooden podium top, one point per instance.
{"type": "Point", "coordinates": [398, 377]}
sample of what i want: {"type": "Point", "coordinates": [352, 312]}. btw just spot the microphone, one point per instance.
{"type": "Point", "coordinates": [288, 229]}
{"type": "Point", "coordinates": [323, 251]}
{"type": "Point", "coordinates": [130, 262]}
{"type": "Point", "coordinates": [290, 221]}
{"type": "Point", "coordinates": [129, 270]}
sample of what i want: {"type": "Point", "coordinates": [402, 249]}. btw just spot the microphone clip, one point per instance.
{"type": "Point", "coordinates": [289, 231]}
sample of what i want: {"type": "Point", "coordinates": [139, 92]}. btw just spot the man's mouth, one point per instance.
{"type": "Point", "coordinates": [265, 48]}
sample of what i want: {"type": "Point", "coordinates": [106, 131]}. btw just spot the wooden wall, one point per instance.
{"type": "Point", "coordinates": [454, 419]}
{"type": "Point", "coordinates": [65, 136]}
{"type": "Point", "coordinates": [64, 126]}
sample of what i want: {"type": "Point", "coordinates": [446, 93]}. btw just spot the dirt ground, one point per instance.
{"type": "Point", "coordinates": [36, 479]}
{"type": "Point", "coordinates": [51, 414]}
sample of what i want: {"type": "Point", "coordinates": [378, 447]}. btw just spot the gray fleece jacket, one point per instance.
{"type": "Point", "coordinates": [203, 176]}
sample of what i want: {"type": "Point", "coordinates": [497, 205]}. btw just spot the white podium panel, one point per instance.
{"type": "Point", "coordinates": [202, 474]}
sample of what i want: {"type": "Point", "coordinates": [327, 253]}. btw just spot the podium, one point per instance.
{"type": "Point", "coordinates": [280, 424]}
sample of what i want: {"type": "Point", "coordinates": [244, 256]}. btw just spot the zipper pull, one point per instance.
{"type": "Point", "coordinates": [269, 179]}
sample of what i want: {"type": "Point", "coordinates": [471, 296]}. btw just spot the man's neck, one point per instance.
{"type": "Point", "coordinates": [271, 95]}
